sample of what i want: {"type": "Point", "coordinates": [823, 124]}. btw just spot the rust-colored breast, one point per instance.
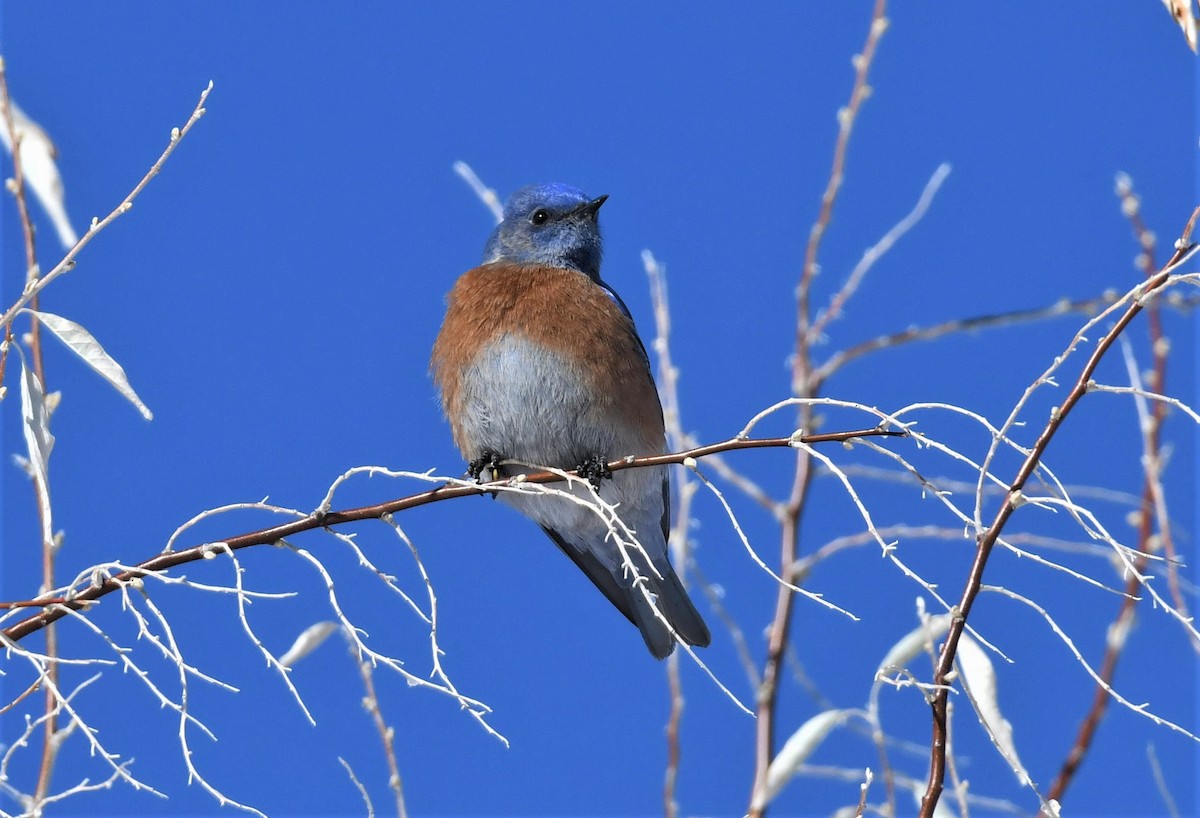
{"type": "Point", "coordinates": [562, 310]}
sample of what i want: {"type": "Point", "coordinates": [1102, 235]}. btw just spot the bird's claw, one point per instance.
{"type": "Point", "coordinates": [489, 462]}
{"type": "Point", "coordinates": [594, 469]}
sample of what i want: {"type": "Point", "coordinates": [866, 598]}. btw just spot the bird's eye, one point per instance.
{"type": "Point", "coordinates": [539, 216]}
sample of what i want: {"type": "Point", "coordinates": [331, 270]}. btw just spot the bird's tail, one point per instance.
{"type": "Point", "coordinates": [626, 593]}
{"type": "Point", "coordinates": [675, 606]}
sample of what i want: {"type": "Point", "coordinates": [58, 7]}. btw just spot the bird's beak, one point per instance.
{"type": "Point", "coordinates": [589, 208]}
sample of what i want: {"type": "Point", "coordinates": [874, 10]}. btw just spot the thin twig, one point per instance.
{"type": "Point", "coordinates": [50, 742]}
{"type": "Point", "coordinates": [685, 489]}
{"type": "Point", "coordinates": [455, 488]}
{"type": "Point", "coordinates": [803, 386]}
{"type": "Point", "coordinates": [960, 325]}
{"type": "Point", "coordinates": [68, 262]}
{"type": "Point", "coordinates": [1015, 498]}
{"type": "Point", "coordinates": [1151, 486]}
{"type": "Point", "coordinates": [846, 118]}
{"type": "Point", "coordinates": [387, 733]}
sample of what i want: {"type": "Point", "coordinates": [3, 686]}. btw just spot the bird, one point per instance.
{"type": "Point", "coordinates": [538, 361]}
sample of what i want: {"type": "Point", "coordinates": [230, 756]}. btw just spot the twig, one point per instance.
{"type": "Point", "coordinates": [685, 489]}
{"type": "Point", "coordinates": [387, 733]}
{"type": "Point", "coordinates": [1151, 488]}
{"type": "Point", "coordinates": [1015, 498]}
{"type": "Point", "coordinates": [959, 325]}
{"type": "Point", "coordinates": [875, 252]}
{"type": "Point", "coordinates": [486, 195]}
{"type": "Point", "coordinates": [803, 387]}
{"type": "Point", "coordinates": [1161, 782]}
{"type": "Point", "coordinates": [846, 118]}
{"type": "Point", "coordinates": [362, 791]}
{"type": "Point", "coordinates": [49, 744]}
{"type": "Point", "coordinates": [456, 488]}
{"type": "Point", "coordinates": [68, 262]}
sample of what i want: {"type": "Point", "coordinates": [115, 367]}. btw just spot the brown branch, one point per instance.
{"type": "Point", "coordinates": [46, 768]}
{"type": "Point", "coordinates": [846, 118]}
{"type": "Point", "coordinates": [1012, 500]}
{"type": "Point", "coordinates": [804, 386]}
{"type": "Point", "coordinates": [387, 735]}
{"type": "Point", "coordinates": [958, 325]}
{"type": "Point", "coordinates": [29, 691]}
{"type": "Point", "coordinates": [18, 187]}
{"type": "Point", "coordinates": [1153, 461]}
{"type": "Point", "coordinates": [674, 750]}
{"type": "Point", "coordinates": [68, 261]}
{"type": "Point", "coordinates": [171, 559]}
{"type": "Point", "coordinates": [32, 285]}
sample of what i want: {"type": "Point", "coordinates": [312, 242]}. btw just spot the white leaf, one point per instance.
{"type": "Point", "coordinates": [35, 424]}
{"type": "Point", "coordinates": [307, 642]}
{"type": "Point", "coordinates": [914, 643]}
{"type": "Point", "coordinates": [979, 676]}
{"type": "Point", "coordinates": [798, 748]}
{"type": "Point", "coordinates": [81, 342]}
{"type": "Point", "coordinates": [40, 172]}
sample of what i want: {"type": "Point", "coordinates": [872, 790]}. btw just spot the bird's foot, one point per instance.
{"type": "Point", "coordinates": [594, 469]}
{"type": "Point", "coordinates": [487, 462]}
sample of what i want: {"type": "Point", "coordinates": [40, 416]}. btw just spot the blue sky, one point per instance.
{"type": "Point", "coordinates": [274, 294]}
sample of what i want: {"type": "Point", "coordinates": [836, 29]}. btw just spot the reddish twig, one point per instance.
{"type": "Point", "coordinates": [1123, 622]}
{"type": "Point", "coordinates": [674, 751]}
{"type": "Point", "coordinates": [803, 385]}
{"type": "Point", "coordinates": [29, 691]}
{"type": "Point", "coordinates": [846, 117]}
{"type": "Point", "coordinates": [18, 187]}
{"type": "Point", "coordinates": [958, 325]}
{"type": "Point", "coordinates": [387, 734]}
{"type": "Point", "coordinates": [46, 769]}
{"type": "Point", "coordinates": [1012, 500]}
{"type": "Point", "coordinates": [68, 261]}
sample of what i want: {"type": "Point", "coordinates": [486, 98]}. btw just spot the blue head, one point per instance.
{"type": "Point", "coordinates": [549, 224]}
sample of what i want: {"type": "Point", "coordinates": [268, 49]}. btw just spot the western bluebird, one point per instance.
{"type": "Point", "coordinates": [538, 360]}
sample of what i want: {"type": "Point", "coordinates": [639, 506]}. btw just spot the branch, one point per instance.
{"type": "Point", "coordinates": [60, 606]}
{"type": "Point", "coordinates": [34, 286]}
{"type": "Point", "coordinates": [1152, 487]}
{"type": "Point", "coordinates": [804, 386]}
{"type": "Point", "coordinates": [1012, 501]}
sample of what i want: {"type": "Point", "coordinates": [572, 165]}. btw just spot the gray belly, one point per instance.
{"type": "Point", "coordinates": [523, 402]}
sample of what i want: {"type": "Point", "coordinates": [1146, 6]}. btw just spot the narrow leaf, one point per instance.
{"type": "Point", "coordinates": [40, 171]}
{"type": "Point", "coordinates": [979, 676]}
{"type": "Point", "coordinates": [35, 424]}
{"type": "Point", "coordinates": [81, 342]}
{"type": "Point", "coordinates": [307, 642]}
{"type": "Point", "coordinates": [913, 643]}
{"type": "Point", "coordinates": [798, 748]}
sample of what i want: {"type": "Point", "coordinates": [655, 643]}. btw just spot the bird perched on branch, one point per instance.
{"type": "Point", "coordinates": [538, 361]}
